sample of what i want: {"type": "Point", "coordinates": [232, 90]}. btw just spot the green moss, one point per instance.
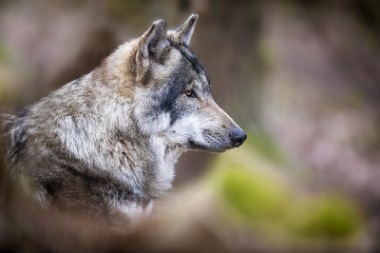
{"type": "Point", "coordinates": [330, 217]}
{"type": "Point", "coordinates": [253, 195]}
{"type": "Point", "coordinates": [250, 195]}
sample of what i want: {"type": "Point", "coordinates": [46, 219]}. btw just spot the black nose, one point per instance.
{"type": "Point", "coordinates": [237, 136]}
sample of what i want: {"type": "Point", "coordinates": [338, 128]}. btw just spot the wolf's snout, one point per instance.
{"type": "Point", "coordinates": [237, 136]}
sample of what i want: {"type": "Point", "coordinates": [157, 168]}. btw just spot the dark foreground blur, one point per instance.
{"type": "Point", "coordinates": [302, 78]}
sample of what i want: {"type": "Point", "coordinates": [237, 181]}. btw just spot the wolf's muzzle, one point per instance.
{"type": "Point", "coordinates": [237, 136]}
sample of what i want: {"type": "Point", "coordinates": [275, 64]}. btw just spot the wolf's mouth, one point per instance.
{"type": "Point", "coordinates": [198, 146]}
{"type": "Point", "coordinates": [194, 145]}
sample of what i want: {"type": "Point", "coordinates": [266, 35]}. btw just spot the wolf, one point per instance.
{"type": "Point", "coordinates": [106, 143]}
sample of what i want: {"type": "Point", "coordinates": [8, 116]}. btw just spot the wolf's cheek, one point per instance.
{"type": "Point", "coordinates": [151, 123]}
{"type": "Point", "coordinates": [198, 132]}
{"type": "Point", "coordinates": [189, 127]}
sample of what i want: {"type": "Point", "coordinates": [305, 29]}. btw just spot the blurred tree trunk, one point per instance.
{"type": "Point", "coordinates": [231, 32]}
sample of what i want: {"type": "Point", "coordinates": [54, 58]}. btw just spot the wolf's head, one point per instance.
{"type": "Point", "coordinates": [171, 92]}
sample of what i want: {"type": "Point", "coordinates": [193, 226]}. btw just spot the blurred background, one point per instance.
{"type": "Point", "coordinates": [301, 77]}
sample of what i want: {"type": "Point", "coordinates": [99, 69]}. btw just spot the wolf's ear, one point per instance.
{"type": "Point", "coordinates": [183, 33]}
{"type": "Point", "coordinates": [153, 42]}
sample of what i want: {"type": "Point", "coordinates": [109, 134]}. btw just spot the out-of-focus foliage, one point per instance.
{"type": "Point", "coordinates": [254, 194]}
{"type": "Point", "coordinates": [266, 146]}
{"type": "Point", "coordinates": [325, 217]}
{"type": "Point", "coordinates": [253, 197]}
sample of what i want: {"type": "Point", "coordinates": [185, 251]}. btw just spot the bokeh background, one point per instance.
{"type": "Point", "coordinates": [301, 77]}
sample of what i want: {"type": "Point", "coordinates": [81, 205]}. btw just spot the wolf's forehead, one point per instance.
{"type": "Point", "coordinates": [184, 54]}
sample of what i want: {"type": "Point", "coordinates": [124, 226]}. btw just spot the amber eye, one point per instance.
{"type": "Point", "coordinates": [190, 93]}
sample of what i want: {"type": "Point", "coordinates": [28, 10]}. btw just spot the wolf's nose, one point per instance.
{"type": "Point", "coordinates": [237, 136]}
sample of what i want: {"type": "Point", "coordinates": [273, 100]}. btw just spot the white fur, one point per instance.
{"type": "Point", "coordinates": [134, 211]}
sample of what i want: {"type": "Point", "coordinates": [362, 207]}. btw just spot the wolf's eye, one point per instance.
{"type": "Point", "coordinates": [190, 93]}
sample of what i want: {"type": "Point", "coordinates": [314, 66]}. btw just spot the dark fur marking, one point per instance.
{"type": "Point", "coordinates": [174, 88]}
{"type": "Point", "coordinates": [147, 77]}
{"type": "Point", "coordinates": [102, 186]}
{"type": "Point", "coordinates": [129, 160]}
{"type": "Point", "coordinates": [194, 61]}
{"type": "Point", "coordinates": [133, 66]}
{"type": "Point", "coordinates": [52, 187]}
{"type": "Point", "coordinates": [19, 137]}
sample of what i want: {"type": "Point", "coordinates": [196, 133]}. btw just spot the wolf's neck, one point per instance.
{"type": "Point", "coordinates": [166, 156]}
{"type": "Point", "coordinates": [109, 145]}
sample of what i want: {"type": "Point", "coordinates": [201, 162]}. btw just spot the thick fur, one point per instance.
{"type": "Point", "coordinates": [107, 142]}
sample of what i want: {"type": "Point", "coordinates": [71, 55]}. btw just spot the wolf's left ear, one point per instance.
{"type": "Point", "coordinates": [154, 41]}
{"type": "Point", "coordinates": [152, 44]}
{"type": "Point", "coordinates": [182, 34]}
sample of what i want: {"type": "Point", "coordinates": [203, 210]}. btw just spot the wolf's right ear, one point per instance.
{"type": "Point", "coordinates": [182, 34]}
{"type": "Point", "coordinates": [153, 42]}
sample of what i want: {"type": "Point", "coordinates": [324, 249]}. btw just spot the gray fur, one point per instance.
{"type": "Point", "coordinates": [106, 143]}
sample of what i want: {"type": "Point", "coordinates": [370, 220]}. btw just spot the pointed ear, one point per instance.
{"type": "Point", "coordinates": [152, 43]}
{"type": "Point", "coordinates": [183, 33]}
